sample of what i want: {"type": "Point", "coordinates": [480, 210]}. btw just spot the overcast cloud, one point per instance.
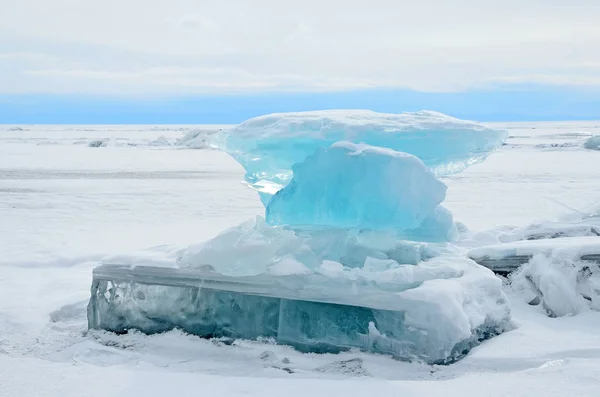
{"type": "Point", "coordinates": [185, 46]}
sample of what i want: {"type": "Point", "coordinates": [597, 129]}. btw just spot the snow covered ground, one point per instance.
{"type": "Point", "coordinates": [64, 205]}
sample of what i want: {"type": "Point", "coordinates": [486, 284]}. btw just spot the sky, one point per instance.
{"type": "Point", "coordinates": [134, 60]}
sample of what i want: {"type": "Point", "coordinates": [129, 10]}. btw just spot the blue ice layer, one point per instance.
{"type": "Point", "coordinates": [592, 143]}
{"type": "Point", "coordinates": [268, 146]}
{"type": "Point", "coordinates": [364, 187]}
{"type": "Point", "coordinates": [153, 302]}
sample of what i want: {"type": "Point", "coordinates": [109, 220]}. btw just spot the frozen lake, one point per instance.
{"type": "Point", "coordinates": [64, 205]}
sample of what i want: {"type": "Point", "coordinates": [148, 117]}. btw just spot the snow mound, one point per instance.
{"type": "Point", "coordinates": [592, 143]}
{"type": "Point", "coordinates": [364, 187]}
{"type": "Point", "coordinates": [268, 146]}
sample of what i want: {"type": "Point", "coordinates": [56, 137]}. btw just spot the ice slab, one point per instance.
{"type": "Point", "coordinates": [268, 146]}
{"type": "Point", "coordinates": [436, 321]}
{"type": "Point", "coordinates": [360, 186]}
{"type": "Point", "coordinates": [561, 284]}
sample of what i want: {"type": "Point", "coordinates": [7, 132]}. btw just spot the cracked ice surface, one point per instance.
{"type": "Point", "coordinates": [268, 146]}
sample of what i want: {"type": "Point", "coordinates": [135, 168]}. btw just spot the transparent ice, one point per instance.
{"type": "Point", "coordinates": [364, 187]}
{"type": "Point", "coordinates": [268, 146]}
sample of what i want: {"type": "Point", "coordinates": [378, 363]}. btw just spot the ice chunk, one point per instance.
{"type": "Point", "coordinates": [255, 248]}
{"type": "Point", "coordinates": [580, 246]}
{"type": "Point", "coordinates": [268, 146]}
{"type": "Point", "coordinates": [434, 312]}
{"type": "Point", "coordinates": [365, 187]}
{"type": "Point", "coordinates": [592, 143]}
{"type": "Point", "coordinates": [552, 230]}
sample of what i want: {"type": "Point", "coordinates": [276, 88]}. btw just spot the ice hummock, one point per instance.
{"type": "Point", "coordinates": [268, 146]}
{"type": "Point", "coordinates": [343, 261]}
{"type": "Point", "coordinates": [359, 186]}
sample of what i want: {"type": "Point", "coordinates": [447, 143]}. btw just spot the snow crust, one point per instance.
{"type": "Point", "coordinates": [268, 146]}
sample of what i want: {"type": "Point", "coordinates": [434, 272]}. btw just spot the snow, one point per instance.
{"type": "Point", "coordinates": [364, 187]}
{"type": "Point", "coordinates": [268, 146]}
{"type": "Point", "coordinates": [65, 206]}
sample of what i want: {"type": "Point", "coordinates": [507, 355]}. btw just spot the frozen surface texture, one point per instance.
{"type": "Point", "coordinates": [436, 313]}
{"type": "Point", "coordinates": [268, 146]}
{"type": "Point", "coordinates": [365, 187]}
{"type": "Point", "coordinates": [593, 143]}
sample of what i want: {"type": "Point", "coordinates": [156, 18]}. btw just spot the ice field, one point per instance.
{"type": "Point", "coordinates": [73, 195]}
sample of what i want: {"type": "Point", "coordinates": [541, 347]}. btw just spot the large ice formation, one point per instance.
{"type": "Point", "coordinates": [353, 254]}
{"type": "Point", "coordinates": [268, 146]}
{"type": "Point", "coordinates": [325, 291]}
{"type": "Point", "coordinates": [364, 187]}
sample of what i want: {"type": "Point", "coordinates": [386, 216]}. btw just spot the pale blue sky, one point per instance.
{"type": "Point", "coordinates": [141, 60]}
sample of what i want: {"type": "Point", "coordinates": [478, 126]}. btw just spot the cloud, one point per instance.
{"type": "Point", "coordinates": [188, 46]}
